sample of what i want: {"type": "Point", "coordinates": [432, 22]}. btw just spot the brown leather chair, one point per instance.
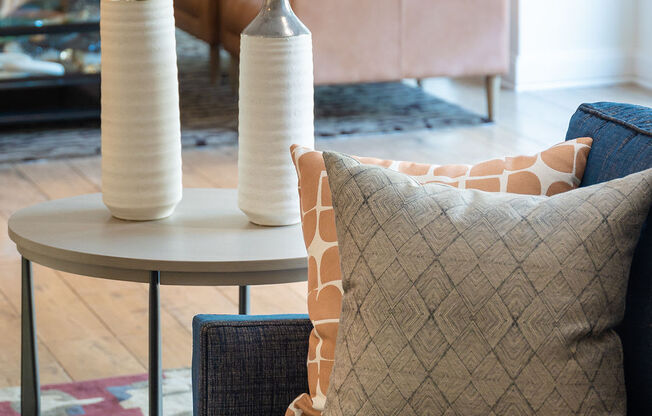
{"type": "Point", "coordinates": [201, 19]}
{"type": "Point", "coordinates": [388, 40]}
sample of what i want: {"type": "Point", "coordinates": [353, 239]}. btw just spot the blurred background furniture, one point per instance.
{"type": "Point", "coordinates": [49, 60]}
{"type": "Point", "coordinates": [389, 40]}
{"type": "Point", "coordinates": [200, 18]}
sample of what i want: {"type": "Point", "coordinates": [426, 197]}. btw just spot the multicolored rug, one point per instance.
{"type": "Point", "coordinates": [209, 113]}
{"type": "Point", "coordinates": [118, 396]}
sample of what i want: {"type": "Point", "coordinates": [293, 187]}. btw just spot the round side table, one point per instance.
{"type": "Point", "coordinates": [207, 241]}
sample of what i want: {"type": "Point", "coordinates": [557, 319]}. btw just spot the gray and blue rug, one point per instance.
{"type": "Point", "coordinates": [209, 113]}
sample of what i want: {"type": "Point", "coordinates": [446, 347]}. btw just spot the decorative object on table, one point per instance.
{"type": "Point", "coordinates": [12, 63]}
{"type": "Point", "coordinates": [275, 110]}
{"type": "Point", "coordinates": [141, 138]}
{"type": "Point", "coordinates": [75, 54]}
{"type": "Point", "coordinates": [478, 303]}
{"type": "Point", "coordinates": [557, 169]}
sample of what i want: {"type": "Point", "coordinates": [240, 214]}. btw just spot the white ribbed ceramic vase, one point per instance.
{"type": "Point", "coordinates": [141, 139]}
{"type": "Point", "coordinates": [275, 110]}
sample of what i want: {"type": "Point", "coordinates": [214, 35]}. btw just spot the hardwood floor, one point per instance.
{"type": "Point", "coordinates": [92, 328]}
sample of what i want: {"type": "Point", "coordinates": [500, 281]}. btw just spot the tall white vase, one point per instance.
{"type": "Point", "coordinates": [275, 110]}
{"type": "Point", "coordinates": [141, 139]}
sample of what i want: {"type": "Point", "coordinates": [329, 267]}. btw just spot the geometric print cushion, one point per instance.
{"type": "Point", "coordinates": [557, 169]}
{"type": "Point", "coordinates": [473, 303]}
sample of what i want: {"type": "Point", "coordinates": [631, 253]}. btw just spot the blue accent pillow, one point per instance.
{"type": "Point", "coordinates": [622, 144]}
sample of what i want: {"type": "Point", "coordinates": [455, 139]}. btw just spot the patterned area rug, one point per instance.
{"type": "Point", "coordinates": [209, 113]}
{"type": "Point", "coordinates": [120, 396]}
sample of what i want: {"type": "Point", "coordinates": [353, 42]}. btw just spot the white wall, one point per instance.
{"type": "Point", "coordinates": [643, 59]}
{"type": "Point", "coordinates": [561, 43]}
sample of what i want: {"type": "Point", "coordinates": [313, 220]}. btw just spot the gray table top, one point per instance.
{"type": "Point", "coordinates": [207, 241]}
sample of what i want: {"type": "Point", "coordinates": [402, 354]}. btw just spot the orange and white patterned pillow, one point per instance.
{"type": "Point", "coordinates": [555, 170]}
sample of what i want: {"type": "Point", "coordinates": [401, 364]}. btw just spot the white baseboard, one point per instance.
{"type": "Point", "coordinates": [571, 69]}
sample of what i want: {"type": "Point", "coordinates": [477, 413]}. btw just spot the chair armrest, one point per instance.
{"type": "Point", "coordinates": [622, 144]}
{"type": "Point", "coordinates": [248, 365]}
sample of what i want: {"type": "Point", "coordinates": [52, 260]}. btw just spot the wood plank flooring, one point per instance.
{"type": "Point", "coordinates": [92, 328]}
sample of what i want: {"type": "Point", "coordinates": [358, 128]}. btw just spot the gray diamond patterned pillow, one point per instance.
{"type": "Point", "coordinates": [472, 303]}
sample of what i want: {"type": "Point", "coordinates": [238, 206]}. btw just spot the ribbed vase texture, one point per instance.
{"type": "Point", "coordinates": [275, 111]}
{"type": "Point", "coordinates": [141, 139]}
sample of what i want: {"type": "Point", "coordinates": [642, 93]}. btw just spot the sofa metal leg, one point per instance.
{"type": "Point", "coordinates": [420, 82]}
{"type": "Point", "coordinates": [492, 85]}
{"type": "Point", "coordinates": [215, 63]}
{"type": "Point", "coordinates": [155, 368]}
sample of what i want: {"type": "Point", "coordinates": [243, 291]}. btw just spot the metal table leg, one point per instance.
{"type": "Point", "coordinates": [243, 304]}
{"type": "Point", "coordinates": [30, 397]}
{"type": "Point", "coordinates": [155, 371]}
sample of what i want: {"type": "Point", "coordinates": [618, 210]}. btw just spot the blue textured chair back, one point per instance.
{"type": "Point", "coordinates": [622, 144]}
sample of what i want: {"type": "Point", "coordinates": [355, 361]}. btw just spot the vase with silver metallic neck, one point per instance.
{"type": "Point", "coordinates": [275, 111]}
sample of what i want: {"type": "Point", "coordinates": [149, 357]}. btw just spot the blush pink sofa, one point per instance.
{"type": "Point", "coordinates": [388, 40]}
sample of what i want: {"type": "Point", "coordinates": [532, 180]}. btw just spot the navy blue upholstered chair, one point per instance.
{"type": "Point", "coordinates": [256, 365]}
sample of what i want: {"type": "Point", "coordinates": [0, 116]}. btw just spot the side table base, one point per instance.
{"type": "Point", "coordinates": [155, 371]}
{"type": "Point", "coordinates": [30, 397]}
